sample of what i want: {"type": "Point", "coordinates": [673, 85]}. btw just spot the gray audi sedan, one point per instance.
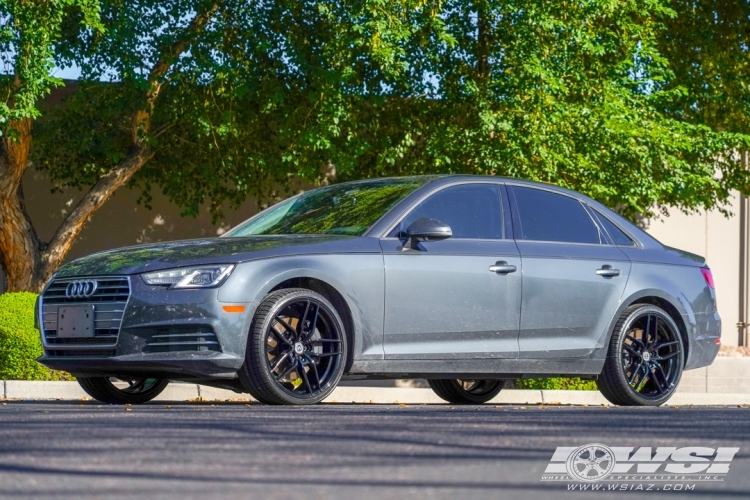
{"type": "Point", "coordinates": [464, 281]}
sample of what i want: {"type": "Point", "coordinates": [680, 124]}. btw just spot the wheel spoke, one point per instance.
{"type": "Point", "coordinates": [667, 344]}
{"type": "Point", "coordinates": [324, 340]}
{"type": "Point", "coordinates": [280, 360]}
{"type": "Point", "coordinates": [663, 376]}
{"type": "Point", "coordinates": [632, 338]}
{"type": "Point", "coordinates": [279, 336]}
{"type": "Point", "coordinates": [635, 372]}
{"type": "Point", "coordinates": [135, 386]}
{"type": "Point", "coordinates": [631, 350]}
{"type": "Point", "coordinates": [301, 324]}
{"type": "Point", "coordinates": [304, 377]}
{"type": "Point", "coordinates": [669, 356]}
{"type": "Point", "coordinates": [314, 323]}
{"type": "Point", "coordinates": [325, 354]}
{"type": "Point", "coordinates": [286, 372]}
{"type": "Point", "coordinates": [286, 326]}
{"type": "Point", "coordinates": [657, 382]}
{"type": "Point", "coordinates": [315, 370]}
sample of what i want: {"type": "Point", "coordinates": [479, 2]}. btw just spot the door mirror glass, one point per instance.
{"type": "Point", "coordinates": [425, 229]}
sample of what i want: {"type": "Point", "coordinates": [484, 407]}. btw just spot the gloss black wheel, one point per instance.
{"type": "Point", "coordinates": [296, 350]}
{"type": "Point", "coordinates": [112, 390]}
{"type": "Point", "coordinates": [466, 391]}
{"type": "Point", "coordinates": [645, 359]}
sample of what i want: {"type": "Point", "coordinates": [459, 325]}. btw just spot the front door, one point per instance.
{"type": "Point", "coordinates": [573, 279]}
{"type": "Point", "coordinates": [442, 300]}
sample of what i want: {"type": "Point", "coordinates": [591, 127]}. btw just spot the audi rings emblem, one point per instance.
{"type": "Point", "coordinates": [80, 289]}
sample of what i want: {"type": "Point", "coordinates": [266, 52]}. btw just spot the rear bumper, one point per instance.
{"type": "Point", "coordinates": [703, 349]}
{"type": "Point", "coordinates": [170, 366]}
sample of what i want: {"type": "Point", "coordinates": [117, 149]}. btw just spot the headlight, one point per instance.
{"type": "Point", "coordinates": [190, 277]}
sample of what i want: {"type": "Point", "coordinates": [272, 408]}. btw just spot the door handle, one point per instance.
{"type": "Point", "coordinates": [608, 272]}
{"type": "Point", "coordinates": [502, 267]}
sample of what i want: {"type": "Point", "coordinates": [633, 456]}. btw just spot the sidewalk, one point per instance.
{"type": "Point", "coordinates": [70, 391]}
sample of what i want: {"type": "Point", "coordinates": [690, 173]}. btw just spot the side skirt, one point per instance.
{"type": "Point", "coordinates": [479, 368]}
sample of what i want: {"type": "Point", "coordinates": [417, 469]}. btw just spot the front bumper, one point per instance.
{"type": "Point", "coordinates": [171, 334]}
{"type": "Point", "coordinates": [172, 366]}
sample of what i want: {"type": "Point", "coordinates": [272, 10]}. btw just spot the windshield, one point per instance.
{"type": "Point", "coordinates": [348, 209]}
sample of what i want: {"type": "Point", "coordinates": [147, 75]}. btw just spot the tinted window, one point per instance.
{"type": "Point", "coordinates": [349, 208]}
{"type": "Point", "coordinates": [547, 216]}
{"type": "Point", "coordinates": [617, 235]}
{"type": "Point", "coordinates": [471, 210]}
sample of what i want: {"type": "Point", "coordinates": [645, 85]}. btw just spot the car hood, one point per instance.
{"type": "Point", "coordinates": [153, 257]}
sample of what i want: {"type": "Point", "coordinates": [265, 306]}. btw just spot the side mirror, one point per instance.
{"type": "Point", "coordinates": [425, 229]}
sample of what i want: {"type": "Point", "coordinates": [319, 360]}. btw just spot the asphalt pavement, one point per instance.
{"type": "Point", "coordinates": [250, 451]}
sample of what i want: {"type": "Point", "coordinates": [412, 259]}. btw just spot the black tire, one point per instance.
{"type": "Point", "coordinates": [139, 390]}
{"type": "Point", "coordinates": [294, 355]}
{"type": "Point", "coordinates": [645, 358]}
{"type": "Point", "coordinates": [466, 391]}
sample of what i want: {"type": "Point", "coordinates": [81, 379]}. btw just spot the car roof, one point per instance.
{"type": "Point", "coordinates": [439, 179]}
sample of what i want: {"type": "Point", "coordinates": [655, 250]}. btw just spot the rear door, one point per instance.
{"type": "Point", "coordinates": [573, 278]}
{"type": "Point", "coordinates": [442, 301]}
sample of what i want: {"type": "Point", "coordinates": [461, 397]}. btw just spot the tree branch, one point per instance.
{"type": "Point", "coordinates": [167, 57]}
{"type": "Point", "coordinates": [139, 153]}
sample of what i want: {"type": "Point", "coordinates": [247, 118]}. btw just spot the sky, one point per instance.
{"type": "Point", "coordinates": [71, 73]}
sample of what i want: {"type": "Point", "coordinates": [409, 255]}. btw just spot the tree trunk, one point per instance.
{"type": "Point", "coordinates": [483, 41]}
{"type": "Point", "coordinates": [20, 252]}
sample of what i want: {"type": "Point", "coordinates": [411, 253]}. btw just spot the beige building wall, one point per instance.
{"type": "Point", "coordinates": [717, 238]}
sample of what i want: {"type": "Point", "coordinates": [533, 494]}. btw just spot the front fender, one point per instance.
{"type": "Point", "coordinates": [358, 278]}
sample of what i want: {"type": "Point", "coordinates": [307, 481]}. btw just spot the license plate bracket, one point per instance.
{"type": "Point", "coordinates": [75, 322]}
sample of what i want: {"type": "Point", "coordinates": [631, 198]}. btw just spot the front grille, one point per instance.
{"type": "Point", "coordinates": [183, 338]}
{"type": "Point", "coordinates": [109, 300]}
{"type": "Point", "coordinates": [107, 290]}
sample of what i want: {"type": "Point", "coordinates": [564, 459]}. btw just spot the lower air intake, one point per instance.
{"type": "Point", "coordinates": [194, 338]}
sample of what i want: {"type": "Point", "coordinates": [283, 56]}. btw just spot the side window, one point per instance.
{"type": "Point", "coordinates": [471, 210]}
{"type": "Point", "coordinates": [547, 216]}
{"type": "Point", "coordinates": [617, 234]}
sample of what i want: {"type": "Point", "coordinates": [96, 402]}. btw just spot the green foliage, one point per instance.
{"type": "Point", "coordinates": [27, 37]}
{"type": "Point", "coordinates": [20, 344]}
{"type": "Point", "coordinates": [707, 45]}
{"type": "Point", "coordinates": [557, 384]}
{"type": "Point", "coordinates": [584, 94]}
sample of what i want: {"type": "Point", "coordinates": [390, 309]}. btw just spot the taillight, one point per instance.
{"type": "Point", "coordinates": [706, 272]}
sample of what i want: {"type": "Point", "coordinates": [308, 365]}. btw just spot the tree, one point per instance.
{"type": "Point", "coordinates": [217, 102]}
{"type": "Point", "coordinates": [201, 97]}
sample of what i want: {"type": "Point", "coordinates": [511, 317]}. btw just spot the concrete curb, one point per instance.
{"type": "Point", "coordinates": [23, 390]}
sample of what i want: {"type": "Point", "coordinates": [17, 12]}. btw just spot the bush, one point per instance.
{"type": "Point", "coordinates": [20, 344]}
{"type": "Point", "coordinates": [557, 384]}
